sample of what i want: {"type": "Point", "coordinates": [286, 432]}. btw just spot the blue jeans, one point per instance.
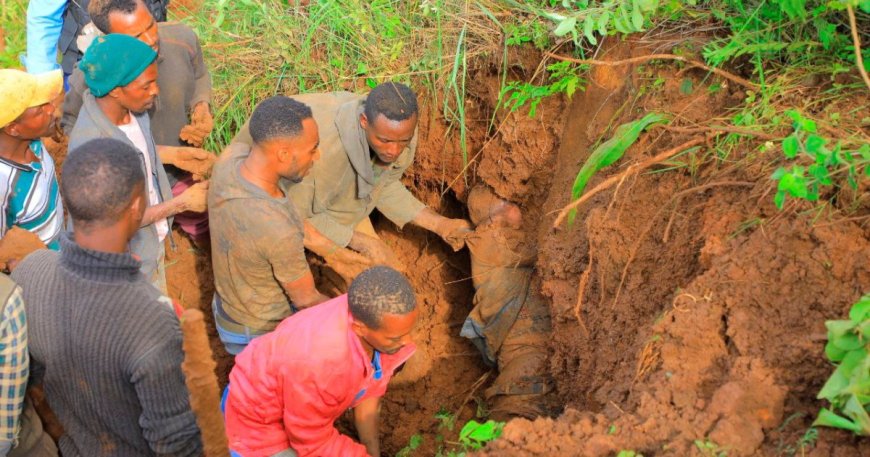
{"type": "Point", "coordinates": [234, 342]}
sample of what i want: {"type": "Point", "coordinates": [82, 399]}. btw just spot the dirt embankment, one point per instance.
{"type": "Point", "coordinates": [685, 306]}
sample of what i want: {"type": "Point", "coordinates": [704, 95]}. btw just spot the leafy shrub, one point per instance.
{"type": "Point", "coordinates": [848, 388]}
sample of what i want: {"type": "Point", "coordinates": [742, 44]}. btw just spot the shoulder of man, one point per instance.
{"type": "Point", "coordinates": [32, 268]}
{"type": "Point", "coordinates": [179, 35]}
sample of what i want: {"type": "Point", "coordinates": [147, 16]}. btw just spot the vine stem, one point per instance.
{"type": "Point", "coordinates": [858, 58]}
{"type": "Point", "coordinates": [694, 63]}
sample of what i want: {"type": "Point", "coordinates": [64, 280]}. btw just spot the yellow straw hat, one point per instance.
{"type": "Point", "coordinates": [20, 90]}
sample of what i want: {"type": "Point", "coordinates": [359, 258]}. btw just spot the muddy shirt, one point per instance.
{"type": "Point", "coordinates": [344, 186]}
{"type": "Point", "coordinates": [183, 79]}
{"type": "Point", "coordinates": [256, 245]}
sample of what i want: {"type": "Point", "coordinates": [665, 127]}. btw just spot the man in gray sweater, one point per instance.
{"type": "Point", "coordinates": [104, 342]}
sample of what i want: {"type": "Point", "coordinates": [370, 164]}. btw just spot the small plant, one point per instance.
{"type": "Point", "coordinates": [710, 449]}
{"type": "Point", "coordinates": [829, 165]}
{"type": "Point", "coordinates": [628, 453]}
{"type": "Point", "coordinates": [446, 418]}
{"type": "Point", "coordinates": [564, 78]}
{"type": "Point", "coordinates": [848, 388]}
{"type": "Point", "coordinates": [413, 444]}
{"type": "Point", "coordinates": [475, 435]}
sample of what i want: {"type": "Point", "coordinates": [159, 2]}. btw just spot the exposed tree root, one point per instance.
{"type": "Point", "coordinates": [855, 39]}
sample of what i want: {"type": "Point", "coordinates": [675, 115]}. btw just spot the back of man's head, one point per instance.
{"type": "Point", "coordinates": [100, 179]}
{"type": "Point", "coordinates": [395, 101]}
{"type": "Point", "coordinates": [278, 117]}
{"type": "Point", "coordinates": [377, 292]}
{"type": "Point", "coordinates": [99, 11]}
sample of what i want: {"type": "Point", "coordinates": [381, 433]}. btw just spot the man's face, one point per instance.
{"type": "Point", "coordinates": [388, 138]}
{"type": "Point", "coordinates": [139, 24]}
{"type": "Point", "coordinates": [139, 95]}
{"type": "Point", "coordinates": [297, 155]}
{"type": "Point", "coordinates": [36, 122]}
{"type": "Point", "coordinates": [393, 334]}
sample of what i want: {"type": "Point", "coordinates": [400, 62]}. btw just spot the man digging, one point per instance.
{"type": "Point", "coordinates": [367, 141]}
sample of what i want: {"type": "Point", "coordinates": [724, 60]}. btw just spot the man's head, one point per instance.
{"type": "Point", "coordinates": [284, 130]}
{"type": "Point", "coordinates": [485, 207]}
{"type": "Point", "coordinates": [27, 110]}
{"type": "Point", "coordinates": [103, 187]}
{"type": "Point", "coordinates": [122, 68]}
{"type": "Point", "coordinates": [383, 307]}
{"type": "Point", "coordinates": [127, 17]}
{"type": "Point", "coordinates": [389, 120]}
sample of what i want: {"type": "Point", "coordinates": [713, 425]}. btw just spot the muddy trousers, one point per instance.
{"type": "Point", "coordinates": [523, 379]}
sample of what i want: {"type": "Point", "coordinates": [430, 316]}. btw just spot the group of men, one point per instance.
{"type": "Point", "coordinates": [89, 318]}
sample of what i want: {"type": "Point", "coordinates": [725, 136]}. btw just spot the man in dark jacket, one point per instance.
{"type": "Point", "coordinates": [105, 343]}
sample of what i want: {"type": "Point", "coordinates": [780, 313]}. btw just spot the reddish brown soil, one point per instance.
{"type": "Point", "coordinates": [701, 312]}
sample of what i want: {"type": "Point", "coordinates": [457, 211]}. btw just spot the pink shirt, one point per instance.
{"type": "Point", "coordinates": [289, 386]}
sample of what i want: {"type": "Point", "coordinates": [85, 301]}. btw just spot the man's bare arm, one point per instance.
{"type": "Point", "coordinates": [303, 292]}
{"type": "Point", "coordinates": [366, 418]}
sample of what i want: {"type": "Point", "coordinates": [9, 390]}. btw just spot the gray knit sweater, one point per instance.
{"type": "Point", "coordinates": [107, 346]}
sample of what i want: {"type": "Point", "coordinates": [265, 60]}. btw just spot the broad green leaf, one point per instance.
{"type": "Point", "coordinates": [779, 173]}
{"type": "Point", "coordinates": [609, 152]}
{"type": "Point", "coordinates": [790, 146]}
{"type": "Point", "coordinates": [851, 361]}
{"type": "Point", "coordinates": [566, 26]}
{"type": "Point", "coordinates": [838, 328]}
{"type": "Point", "coordinates": [860, 311]}
{"type": "Point", "coordinates": [834, 386]}
{"type": "Point", "coordinates": [588, 25]}
{"type": "Point", "coordinates": [828, 418]}
{"type": "Point", "coordinates": [864, 5]}
{"type": "Point", "coordinates": [779, 199]}
{"type": "Point", "coordinates": [855, 411]}
{"type": "Point", "coordinates": [636, 16]}
{"type": "Point", "coordinates": [603, 21]}
{"type": "Point", "coordinates": [814, 143]}
{"type": "Point", "coordinates": [821, 173]}
{"type": "Point", "coordinates": [848, 342]}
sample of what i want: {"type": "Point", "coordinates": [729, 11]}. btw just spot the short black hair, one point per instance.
{"type": "Point", "coordinates": [278, 117]}
{"type": "Point", "coordinates": [99, 10]}
{"type": "Point", "coordinates": [396, 101]}
{"type": "Point", "coordinates": [377, 292]}
{"type": "Point", "coordinates": [98, 180]}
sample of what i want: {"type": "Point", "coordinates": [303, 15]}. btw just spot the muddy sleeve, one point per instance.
{"type": "Point", "coordinates": [317, 399]}
{"type": "Point", "coordinates": [72, 101]}
{"type": "Point", "coordinates": [202, 85]}
{"type": "Point", "coordinates": [398, 204]}
{"type": "Point", "coordinates": [167, 422]}
{"type": "Point", "coordinates": [281, 243]}
{"type": "Point", "coordinates": [337, 232]}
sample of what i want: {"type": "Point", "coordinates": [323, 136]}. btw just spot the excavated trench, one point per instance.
{"type": "Point", "coordinates": [673, 320]}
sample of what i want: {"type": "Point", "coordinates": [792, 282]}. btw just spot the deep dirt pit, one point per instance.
{"type": "Point", "coordinates": [685, 307]}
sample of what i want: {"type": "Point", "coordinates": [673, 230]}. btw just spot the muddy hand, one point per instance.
{"type": "Point", "coordinates": [198, 162]}
{"type": "Point", "coordinates": [195, 198]}
{"type": "Point", "coordinates": [454, 231]}
{"type": "Point", "coordinates": [17, 244]}
{"type": "Point", "coordinates": [348, 264]}
{"type": "Point", "coordinates": [201, 124]}
{"type": "Point", "coordinates": [376, 251]}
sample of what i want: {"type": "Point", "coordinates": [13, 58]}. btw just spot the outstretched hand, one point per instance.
{"type": "Point", "coordinates": [197, 161]}
{"type": "Point", "coordinates": [454, 232]}
{"type": "Point", "coordinates": [201, 125]}
{"type": "Point", "coordinates": [348, 264]}
{"type": "Point", "coordinates": [195, 198]}
{"type": "Point", "coordinates": [377, 252]}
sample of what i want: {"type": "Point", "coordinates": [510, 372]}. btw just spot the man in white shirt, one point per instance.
{"type": "Point", "coordinates": [121, 74]}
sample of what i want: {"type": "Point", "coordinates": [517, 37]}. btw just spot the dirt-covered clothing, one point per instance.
{"type": "Point", "coordinates": [510, 322]}
{"type": "Point", "coordinates": [183, 79]}
{"type": "Point", "coordinates": [92, 123]}
{"type": "Point", "coordinates": [345, 186]}
{"type": "Point", "coordinates": [288, 387]}
{"type": "Point", "coordinates": [106, 345]}
{"type": "Point", "coordinates": [256, 245]}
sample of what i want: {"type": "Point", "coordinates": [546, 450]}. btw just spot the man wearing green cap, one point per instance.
{"type": "Point", "coordinates": [180, 116]}
{"type": "Point", "coordinates": [29, 195]}
{"type": "Point", "coordinates": [121, 74]}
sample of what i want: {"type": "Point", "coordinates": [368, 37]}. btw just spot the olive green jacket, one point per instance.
{"type": "Point", "coordinates": [344, 186]}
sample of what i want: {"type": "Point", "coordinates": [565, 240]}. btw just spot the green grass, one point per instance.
{"type": "Point", "coordinates": [12, 20]}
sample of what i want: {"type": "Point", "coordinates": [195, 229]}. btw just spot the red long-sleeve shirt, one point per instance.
{"type": "Point", "coordinates": [289, 386]}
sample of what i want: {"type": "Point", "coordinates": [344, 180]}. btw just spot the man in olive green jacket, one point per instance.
{"type": "Point", "coordinates": [367, 143]}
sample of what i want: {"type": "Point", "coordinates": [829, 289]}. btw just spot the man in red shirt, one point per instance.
{"type": "Point", "coordinates": [289, 386]}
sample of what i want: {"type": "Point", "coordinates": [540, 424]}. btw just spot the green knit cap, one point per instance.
{"type": "Point", "coordinates": [114, 60]}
